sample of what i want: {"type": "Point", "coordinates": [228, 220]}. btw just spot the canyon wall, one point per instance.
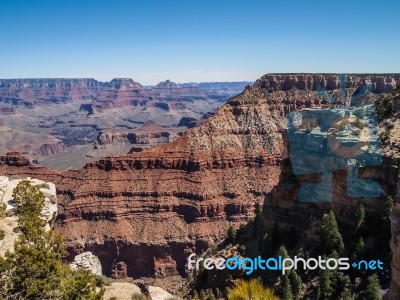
{"type": "Point", "coordinates": [99, 95]}
{"type": "Point", "coordinates": [149, 210]}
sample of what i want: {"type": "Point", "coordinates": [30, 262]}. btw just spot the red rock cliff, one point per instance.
{"type": "Point", "coordinates": [149, 209]}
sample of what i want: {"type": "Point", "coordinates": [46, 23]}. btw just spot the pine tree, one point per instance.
{"type": "Point", "coordinates": [210, 294]}
{"type": "Point", "coordinates": [331, 239]}
{"type": "Point", "coordinates": [3, 207]}
{"type": "Point", "coordinates": [373, 291]}
{"type": "Point", "coordinates": [203, 295]}
{"type": "Point", "coordinates": [389, 205]}
{"type": "Point", "coordinates": [80, 285]}
{"type": "Point", "coordinates": [28, 198]}
{"type": "Point", "coordinates": [302, 254]}
{"type": "Point", "coordinates": [359, 218]}
{"type": "Point", "coordinates": [218, 293]}
{"type": "Point", "coordinates": [287, 293]}
{"type": "Point", "coordinates": [231, 234]}
{"type": "Point", "coordinates": [295, 282]}
{"type": "Point", "coordinates": [195, 295]}
{"type": "Point", "coordinates": [283, 252]}
{"type": "Point", "coordinates": [34, 269]}
{"type": "Point", "coordinates": [360, 248]}
{"type": "Point", "coordinates": [318, 293]}
{"type": "Point", "coordinates": [346, 289]}
{"type": "Point", "coordinates": [386, 227]}
{"type": "Point", "coordinates": [326, 285]}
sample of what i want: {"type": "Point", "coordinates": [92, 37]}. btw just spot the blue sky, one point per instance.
{"type": "Point", "coordinates": [184, 41]}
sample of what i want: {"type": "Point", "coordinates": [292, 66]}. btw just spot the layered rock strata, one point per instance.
{"type": "Point", "coordinates": [149, 210]}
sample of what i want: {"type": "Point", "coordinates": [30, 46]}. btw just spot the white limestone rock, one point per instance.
{"type": "Point", "coordinates": [87, 260]}
{"type": "Point", "coordinates": [9, 223]}
{"type": "Point", "coordinates": [157, 293]}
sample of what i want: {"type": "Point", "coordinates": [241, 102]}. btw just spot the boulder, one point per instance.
{"type": "Point", "coordinates": [89, 261]}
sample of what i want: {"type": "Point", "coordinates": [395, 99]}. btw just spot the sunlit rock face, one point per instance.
{"type": "Point", "coordinates": [88, 261]}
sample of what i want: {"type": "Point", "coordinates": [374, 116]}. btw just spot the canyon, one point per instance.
{"type": "Point", "coordinates": [148, 210]}
{"type": "Point", "coordinates": [59, 123]}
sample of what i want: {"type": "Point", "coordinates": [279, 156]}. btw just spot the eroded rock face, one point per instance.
{"type": "Point", "coordinates": [310, 82]}
{"type": "Point", "coordinates": [119, 270]}
{"type": "Point", "coordinates": [14, 159]}
{"type": "Point", "coordinates": [152, 208]}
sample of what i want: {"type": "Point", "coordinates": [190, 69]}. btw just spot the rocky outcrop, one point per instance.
{"type": "Point", "coordinates": [125, 291]}
{"type": "Point", "coordinates": [88, 107]}
{"type": "Point", "coordinates": [121, 291]}
{"type": "Point", "coordinates": [167, 85]}
{"type": "Point", "coordinates": [151, 209]}
{"type": "Point", "coordinates": [150, 134]}
{"type": "Point", "coordinates": [50, 149]}
{"type": "Point", "coordinates": [119, 270]}
{"type": "Point", "coordinates": [88, 261]}
{"type": "Point", "coordinates": [9, 223]}
{"type": "Point", "coordinates": [14, 159]}
{"type": "Point", "coordinates": [157, 293]}
{"type": "Point", "coordinates": [187, 122]}
{"type": "Point", "coordinates": [310, 82]}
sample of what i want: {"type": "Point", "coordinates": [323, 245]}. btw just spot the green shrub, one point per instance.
{"type": "Point", "coordinates": [138, 297]}
{"type": "Point", "coordinates": [3, 208]}
{"type": "Point", "coordinates": [360, 124]}
{"type": "Point", "coordinates": [384, 108]}
{"type": "Point", "coordinates": [102, 280]}
{"type": "Point", "coordinates": [231, 234]}
{"type": "Point", "coordinates": [385, 135]}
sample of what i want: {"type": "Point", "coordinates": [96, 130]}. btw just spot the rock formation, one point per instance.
{"type": "Point", "coordinates": [157, 293]}
{"type": "Point", "coordinates": [121, 291]}
{"type": "Point", "coordinates": [125, 290]}
{"type": "Point", "coordinates": [9, 223]}
{"type": "Point", "coordinates": [43, 118]}
{"type": "Point", "coordinates": [14, 159]}
{"type": "Point", "coordinates": [104, 95]}
{"type": "Point", "coordinates": [87, 260]}
{"type": "Point", "coordinates": [151, 209]}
